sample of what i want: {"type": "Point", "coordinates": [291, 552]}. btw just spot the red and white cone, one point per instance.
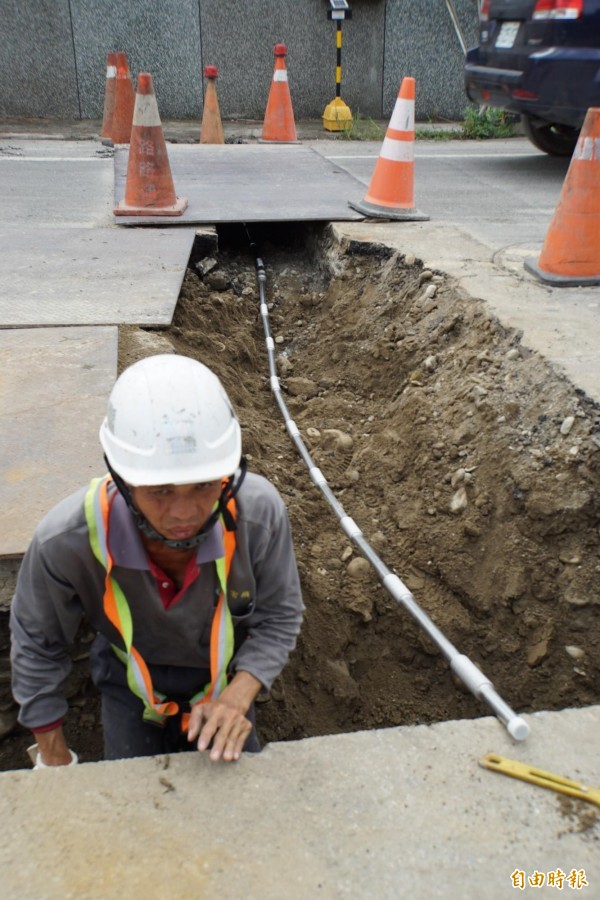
{"type": "Point", "coordinates": [279, 125]}
{"type": "Point", "coordinates": [149, 189]}
{"type": "Point", "coordinates": [391, 192]}
{"type": "Point", "coordinates": [109, 95]}
{"type": "Point", "coordinates": [120, 126]}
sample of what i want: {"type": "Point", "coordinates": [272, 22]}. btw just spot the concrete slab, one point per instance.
{"type": "Point", "coordinates": [38, 69]}
{"type": "Point", "coordinates": [251, 183]}
{"type": "Point", "coordinates": [55, 186]}
{"type": "Point", "coordinates": [101, 276]}
{"type": "Point", "coordinates": [53, 392]}
{"type": "Point", "coordinates": [413, 36]}
{"type": "Point", "coordinates": [311, 58]}
{"type": "Point", "coordinates": [38, 149]}
{"type": "Point", "coordinates": [562, 325]}
{"type": "Point", "coordinates": [161, 36]}
{"type": "Point", "coordinates": [405, 812]}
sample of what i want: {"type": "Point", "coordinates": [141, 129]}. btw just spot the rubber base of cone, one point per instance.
{"type": "Point", "coordinates": [531, 266]}
{"type": "Point", "coordinates": [384, 212]}
{"type": "Point", "coordinates": [262, 141]}
{"type": "Point", "coordinates": [123, 210]}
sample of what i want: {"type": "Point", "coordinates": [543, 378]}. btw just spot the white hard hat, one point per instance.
{"type": "Point", "coordinates": [169, 421]}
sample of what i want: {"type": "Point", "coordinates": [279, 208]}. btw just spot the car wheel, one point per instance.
{"type": "Point", "coordinates": [557, 140]}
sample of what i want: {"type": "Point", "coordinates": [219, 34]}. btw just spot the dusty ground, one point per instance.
{"type": "Point", "coordinates": [470, 466]}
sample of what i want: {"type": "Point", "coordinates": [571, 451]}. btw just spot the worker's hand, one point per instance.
{"type": "Point", "coordinates": [223, 721]}
{"type": "Point", "coordinates": [38, 763]}
{"type": "Point", "coordinates": [224, 725]}
{"type": "Point", "coordinates": [53, 750]}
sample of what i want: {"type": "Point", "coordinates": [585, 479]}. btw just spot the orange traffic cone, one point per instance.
{"type": "Point", "coordinates": [391, 192]}
{"type": "Point", "coordinates": [124, 102]}
{"type": "Point", "coordinates": [109, 94]}
{"type": "Point", "coordinates": [211, 130]}
{"type": "Point", "coordinates": [279, 122]}
{"type": "Point", "coordinates": [149, 189]}
{"type": "Point", "coordinates": [571, 251]}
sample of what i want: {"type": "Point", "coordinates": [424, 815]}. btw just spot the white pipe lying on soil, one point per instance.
{"type": "Point", "coordinates": [460, 664]}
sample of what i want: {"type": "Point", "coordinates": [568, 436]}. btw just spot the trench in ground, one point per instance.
{"type": "Point", "coordinates": [470, 466]}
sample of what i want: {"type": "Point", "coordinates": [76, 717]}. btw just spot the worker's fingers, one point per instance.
{"type": "Point", "coordinates": [222, 728]}
{"type": "Point", "coordinates": [210, 726]}
{"type": "Point", "coordinates": [228, 744]}
{"type": "Point", "coordinates": [197, 718]}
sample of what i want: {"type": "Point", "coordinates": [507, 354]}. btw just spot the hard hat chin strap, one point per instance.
{"type": "Point", "coordinates": [229, 490]}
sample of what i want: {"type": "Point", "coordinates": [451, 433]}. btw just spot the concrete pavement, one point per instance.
{"type": "Point", "coordinates": [398, 813]}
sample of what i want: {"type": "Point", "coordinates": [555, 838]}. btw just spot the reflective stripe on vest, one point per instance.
{"type": "Point", "coordinates": [97, 511]}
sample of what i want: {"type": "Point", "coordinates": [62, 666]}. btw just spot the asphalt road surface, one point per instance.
{"type": "Point", "coordinates": [502, 192]}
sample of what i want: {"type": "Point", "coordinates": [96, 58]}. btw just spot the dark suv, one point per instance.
{"type": "Point", "coordinates": [541, 59]}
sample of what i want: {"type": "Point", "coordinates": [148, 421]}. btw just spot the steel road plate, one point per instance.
{"type": "Point", "coordinates": [85, 276]}
{"type": "Point", "coordinates": [53, 392]}
{"type": "Point", "coordinates": [251, 183]}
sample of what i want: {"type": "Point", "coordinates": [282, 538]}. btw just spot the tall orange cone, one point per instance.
{"type": "Point", "coordinates": [391, 192]}
{"type": "Point", "coordinates": [279, 122]}
{"type": "Point", "coordinates": [109, 94]}
{"type": "Point", "coordinates": [571, 251]}
{"type": "Point", "coordinates": [211, 130]}
{"type": "Point", "coordinates": [149, 189]}
{"type": "Point", "coordinates": [124, 102]}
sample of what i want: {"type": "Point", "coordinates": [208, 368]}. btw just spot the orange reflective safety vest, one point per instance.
{"type": "Point", "coordinates": [156, 707]}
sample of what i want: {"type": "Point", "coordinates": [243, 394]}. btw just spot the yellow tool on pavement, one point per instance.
{"type": "Point", "coordinates": [538, 776]}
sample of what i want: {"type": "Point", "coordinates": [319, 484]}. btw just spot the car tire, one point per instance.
{"type": "Point", "coordinates": [556, 140]}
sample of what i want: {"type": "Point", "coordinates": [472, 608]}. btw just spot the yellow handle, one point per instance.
{"type": "Point", "coordinates": [537, 776]}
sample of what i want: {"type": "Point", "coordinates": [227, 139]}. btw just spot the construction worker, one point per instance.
{"type": "Point", "coordinates": [181, 562]}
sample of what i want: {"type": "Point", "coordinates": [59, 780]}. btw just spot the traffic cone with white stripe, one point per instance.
{"type": "Point", "coordinates": [211, 130]}
{"type": "Point", "coordinates": [124, 102]}
{"type": "Point", "coordinates": [149, 189]}
{"type": "Point", "coordinates": [109, 94]}
{"type": "Point", "coordinates": [571, 252]}
{"type": "Point", "coordinates": [279, 125]}
{"type": "Point", "coordinates": [391, 192]}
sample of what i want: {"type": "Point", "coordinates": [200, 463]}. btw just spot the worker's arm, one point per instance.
{"type": "Point", "coordinates": [223, 721]}
{"type": "Point", "coordinates": [44, 617]}
{"type": "Point", "coordinates": [274, 620]}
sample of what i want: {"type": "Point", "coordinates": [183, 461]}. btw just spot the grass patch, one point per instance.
{"type": "Point", "coordinates": [363, 129]}
{"type": "Point", "coordinates": [478, 124]}
{"type": "Point", "coordinates": [486, 122]}
{"type": "Point", "coordinates": [428, 133]}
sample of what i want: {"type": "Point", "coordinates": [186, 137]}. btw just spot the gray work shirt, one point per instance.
{"type": "Point", "coordinates": [60, 582]}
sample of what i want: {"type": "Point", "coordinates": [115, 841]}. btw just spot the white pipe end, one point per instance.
{"type": "Point", "coordinates": [518, 728]}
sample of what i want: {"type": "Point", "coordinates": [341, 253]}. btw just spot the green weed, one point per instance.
{"type": "Point", "coordinates": [486, 122]}
{"type": "Point", "coordinates": [428, 133]}
{"type": "Point", "coordinates": [363, 129]}
{"type": "Point", "coordinates": [478, 124]}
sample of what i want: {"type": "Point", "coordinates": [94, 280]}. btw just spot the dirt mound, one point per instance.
{"type": "Point", "coordinates": [471, 467]}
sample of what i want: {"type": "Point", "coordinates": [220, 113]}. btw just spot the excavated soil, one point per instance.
{"type": "Point", "coordinates": [471, 467]}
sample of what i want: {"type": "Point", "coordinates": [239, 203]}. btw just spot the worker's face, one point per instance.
{"type": "Point", "coordinates": [177, 511]}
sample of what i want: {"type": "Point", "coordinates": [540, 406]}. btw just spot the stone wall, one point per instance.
{"type": "Point", "coordinates": [53, 60]}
